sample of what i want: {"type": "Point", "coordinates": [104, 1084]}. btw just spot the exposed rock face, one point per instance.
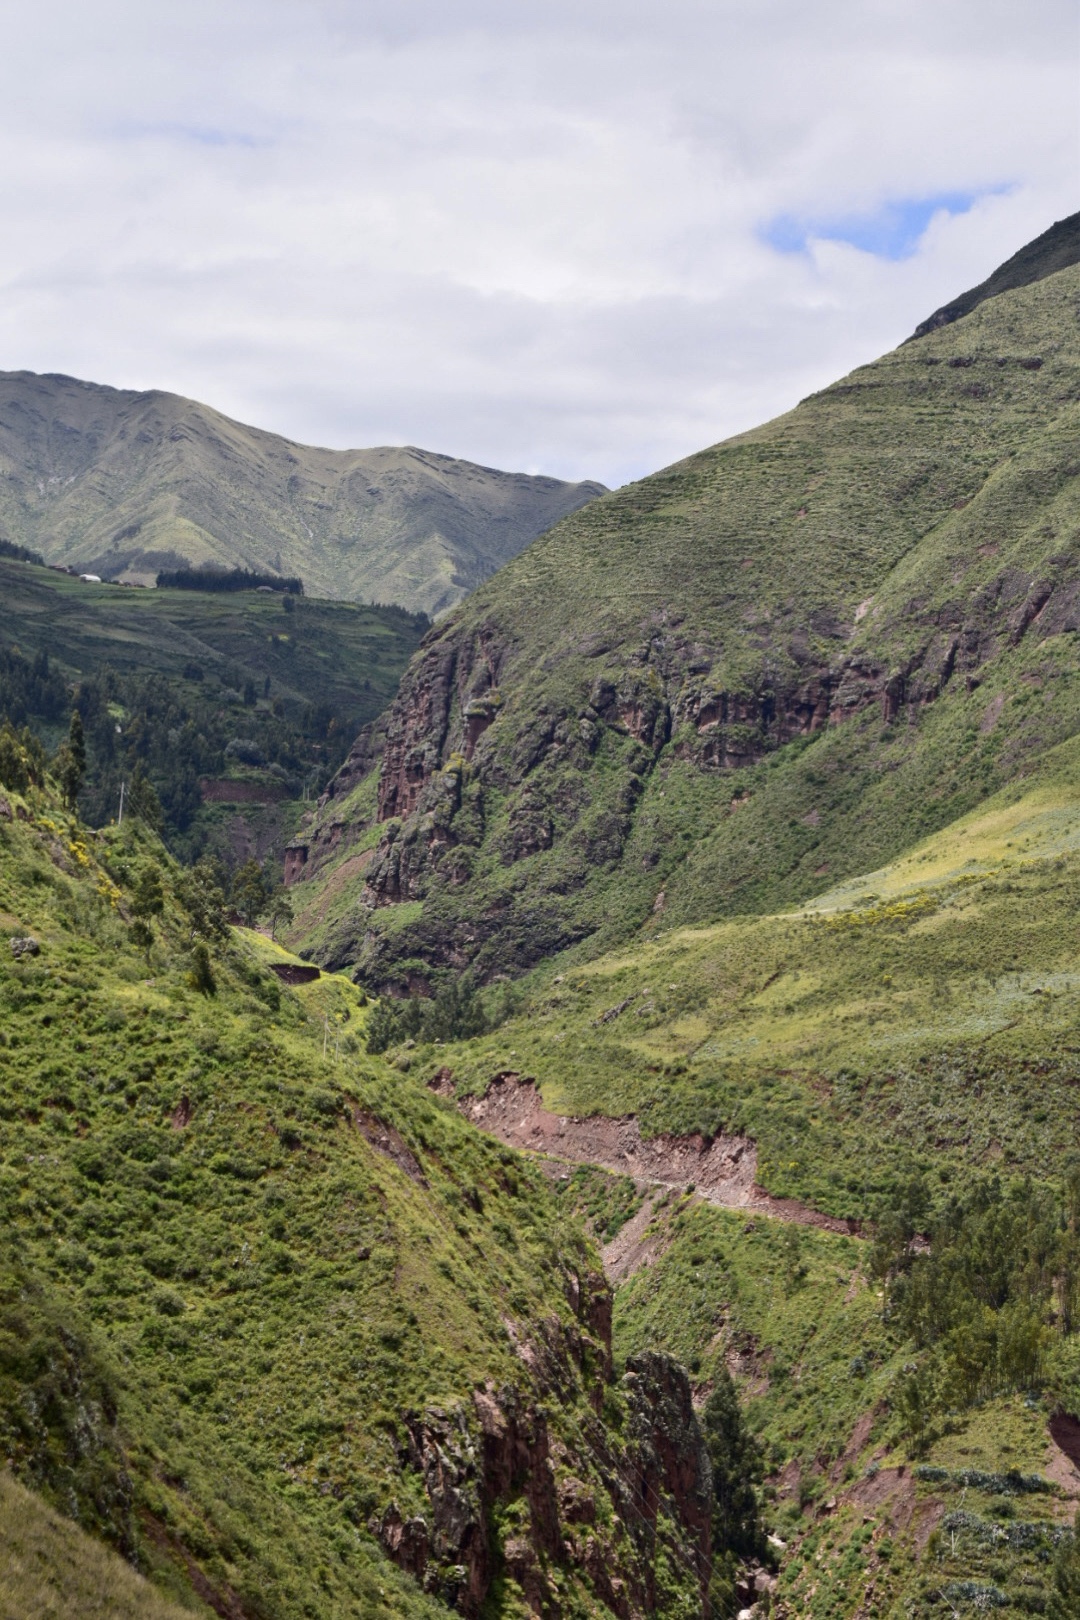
{"type": "Point", "coordinates": [670, 1463]}
{"type": "Point", "coordinates": [444, 752]}
{"type": "Point", "coordinates": [844, 561]}
{"type": "Point", "coordinates": [498, 1461]}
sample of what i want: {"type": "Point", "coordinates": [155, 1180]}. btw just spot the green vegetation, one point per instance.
{"type": "Point", "coordinates": [227, 579]}
{"type": "Point", "coordinates": [246, 1269]}
{"type": "Point", "coordinates": [175, 689]}
{"type": "Point", "coordinates": [114, 482]}
{"type": "Point", "coordinates": [51, 1569]}
{"type": "Point", "coordinates": [773, 666]}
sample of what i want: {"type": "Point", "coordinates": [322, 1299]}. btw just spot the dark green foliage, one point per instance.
{"type": "Point", "coordinates": [8, 548]}
{"type": "Point", "coordinates": [202, 972]}
{"type": "Point", "coordinates": [59, 1405]}
{"type": "Point", "coordinates": [125, 658]}
{"type": "Point", "coordinates": [220, 579]}
{"type": "Point", "coordinates": [456, 1012]}
{"type": "Point", "coordinates": [22, 759]}
{"type": "Point", "coordinates": [141, 800]}
{"type": "Point", "coordinates": [148, 896]}
{"type": "Point", "coordinates": [279, 911]}
{"type": "Point", "coordinates": [250, 892]}
{"type": "Point", "coordinates": [1002, 1269]}
{"type": "Point", "coordinates": [201, 891]}
{"type": "Point", "coordinates": [737, 1468]}
{"type": "Point", "coordinates": [70, 763]}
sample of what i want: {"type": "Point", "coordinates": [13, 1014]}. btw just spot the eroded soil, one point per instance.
{"type": "Point", "coordinates": [721, 1170]}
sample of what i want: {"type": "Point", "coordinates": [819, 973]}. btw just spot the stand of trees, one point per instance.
{"type": "Point", "coordinates": [231, 579]}
{"type": "Point", "coordinates": [992, 1300]}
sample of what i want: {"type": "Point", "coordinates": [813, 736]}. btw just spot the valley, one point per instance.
{"type": "Point", "coordinates": [637, 1174]}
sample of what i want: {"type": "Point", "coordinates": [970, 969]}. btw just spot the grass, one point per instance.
{"type": "Point", "coordinates": [923, 1016]}
{"type": "Point", "coordinates": [51, 1569]}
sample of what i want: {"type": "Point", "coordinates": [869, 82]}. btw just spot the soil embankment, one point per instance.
{"type": "Point", "coordinates": [721, 1169]}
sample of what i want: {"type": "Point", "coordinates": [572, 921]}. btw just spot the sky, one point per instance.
{"type": "Point", "coordinates": [579, 237]}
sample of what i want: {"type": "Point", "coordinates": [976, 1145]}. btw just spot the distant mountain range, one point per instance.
{"type": "Point", "coordinates": [124, 484]}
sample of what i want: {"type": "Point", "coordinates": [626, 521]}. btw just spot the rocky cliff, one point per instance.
{"type": "Point", "coordinates": [807, 594]}
{"type": "Point", "coordinates": [508, 1500]}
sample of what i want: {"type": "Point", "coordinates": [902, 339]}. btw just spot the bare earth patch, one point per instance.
{"type": "Point", "coordinates": [721, 1170]}
{"type": "Point", "coordinates": [633, 1246]}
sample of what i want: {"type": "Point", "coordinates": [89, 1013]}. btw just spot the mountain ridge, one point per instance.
{"type": "Point", "coordinates": [1056, 249]}
{"type": "Point", "coordinates": [696, 695]}
{"type": "Point", "coordinates": [124, 483]}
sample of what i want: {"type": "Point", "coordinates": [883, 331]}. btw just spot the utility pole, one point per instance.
{"type": "Point", "coordinates": [120, 817]}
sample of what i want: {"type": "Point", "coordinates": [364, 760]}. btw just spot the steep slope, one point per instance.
{"type": "Point", "coordinates": [1054, 250]}
{"type": "Point", "coordinates": [719, 690]}
{"type": "Point", "coordinates": [856, 1081]}
{"type": "Point", "coordinates": [116, 483]}
{"type": "Point", "coordinates": [51, 1569]}
{"type": "Point", "coordinates": [231, 706]}
{"type": "Point", "coordinates": [275, 1322]}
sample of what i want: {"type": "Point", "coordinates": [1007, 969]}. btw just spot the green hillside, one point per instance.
{"type": "Point", "coordinates": [121, 483]}
{"type": "Point", "coordinates": [720, 690]}
{"type": "Point", "coordinates": [900, 1057]}
{"type": "Point", "coordinates": [276, 1323]}
{"type": "Point", "coordinates": [232, 707]}
{"type": "Point", "coordinates": [763, 777]}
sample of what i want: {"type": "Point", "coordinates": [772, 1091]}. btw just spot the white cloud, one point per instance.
{"type": "Point", "coordinates": [528, 234]}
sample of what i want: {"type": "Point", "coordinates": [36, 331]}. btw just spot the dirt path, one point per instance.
{"type": "Point", "coordinates": [722, 1171]}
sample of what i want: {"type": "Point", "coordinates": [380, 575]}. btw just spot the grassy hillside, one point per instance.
{"type": "Point", "coordinates": [897, 1052]}
{"type": "Point", "coordinates": [51, 1569]}
{"type": "Point", "coordinates": [921, 1018]}
{"type": "Point", "coordinates": [276, 1323]}
{"type": "Point", "coordinates": [724, 688]}
{"type": "Point", "coordinates": [125, 483]}
{"type": "Point", "coordinates": [176, 681]}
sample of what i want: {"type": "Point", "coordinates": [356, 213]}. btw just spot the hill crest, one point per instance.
{"type": "Point", "coordinates": [124, 483]}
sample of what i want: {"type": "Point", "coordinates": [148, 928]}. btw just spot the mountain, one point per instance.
{"type": "Point", "coordinates": [124, 484]}
{"type": "Point", "coordinates": [724, 688]}
{"type": "Point", "coordinates": [762, 780]}
{"type": "Point", "coordinates": [1055, 249]}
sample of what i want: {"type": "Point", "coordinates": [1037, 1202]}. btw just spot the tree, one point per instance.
{"type": "Point", "coordinates": [142, 801]}
{"type": "Point", "coordinates": [148, 895]}
{"type": "Point", "coordinates": [70, 763]}
{"type": "Point", "coordinates": [280, 911]}
{"type": "Point", "coordinates": [22, 760]}
{"type": "Point", "coordinates": [250, 892]}
{"type": "Point", "coordinates": [147, 900]}
{"type": "Point", "coordinates": [736, 1459]}
{"type": "Point", "coordinates": [202, 894]}
{"type": "Point", "coordinates": [142, 936]}
{"type": "Point", "coordinates": [201, 976]}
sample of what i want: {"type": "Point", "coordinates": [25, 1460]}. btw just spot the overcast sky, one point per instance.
{"type": "Point", "coordinates": [582, 237]}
